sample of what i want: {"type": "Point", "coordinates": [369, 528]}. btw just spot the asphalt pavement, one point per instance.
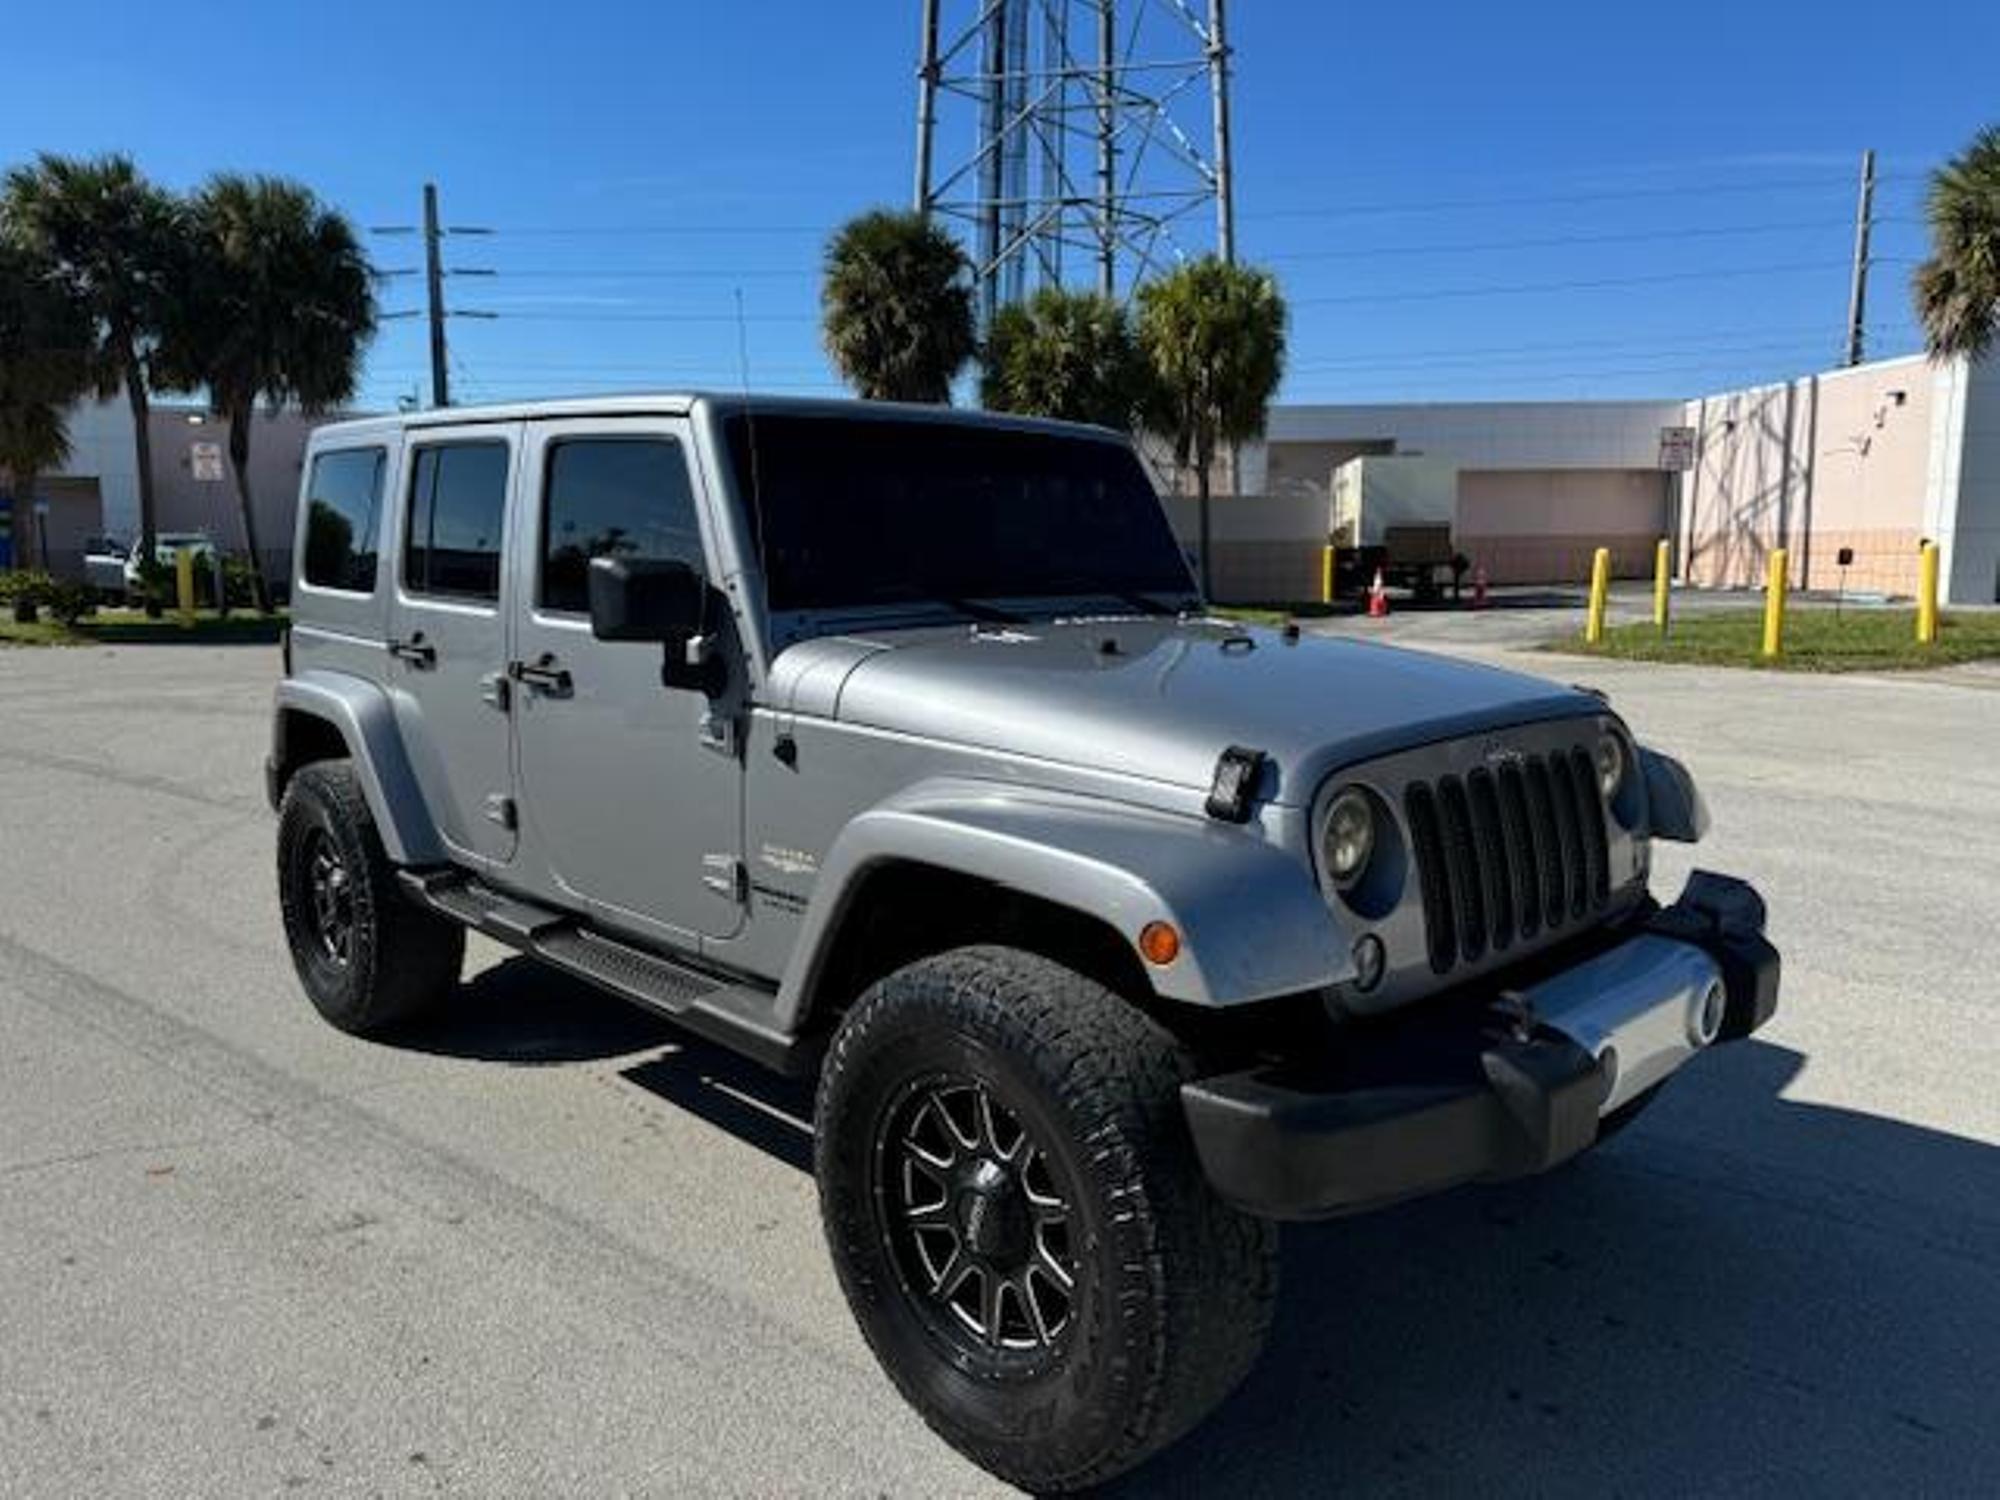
{"type": "Point", "coordinates": [549, 1246]}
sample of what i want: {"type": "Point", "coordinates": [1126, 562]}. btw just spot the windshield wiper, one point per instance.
{"type": "Point", "coordinates": [974, 609]}
{"type": "Point", "coordinates": [1145, 603]}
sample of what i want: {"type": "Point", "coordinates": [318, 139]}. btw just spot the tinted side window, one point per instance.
{"type": "Point", "coordinates": [343, 498]}
{"type": "Point", "coordinates": [458, 505]}
{"type": "Point", "coordinates": [622, 497]}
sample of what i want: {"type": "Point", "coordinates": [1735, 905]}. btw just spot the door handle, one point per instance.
{"type": "Point", "coordinates": [542, 673]}
{"type": "Point", "coordinates": [416, 650]}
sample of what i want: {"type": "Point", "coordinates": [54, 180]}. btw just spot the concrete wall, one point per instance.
{"type": "Point", "coordinates": [1473, 434]}
{"type": "Point", "coordinates": [1266, 548]}
{"type": "Point", "coordinates": [1962, 484]}
{"type": "Point", "coordinates": [1543, 525]}
{"type": "Point", "coordinates": [75, 514]}
{"type": "Point", "coordinates": [184, 503]}
{"type": "Point", "coordinates": [1842, 459]}
{"type": "Point", "coordinates": [102, 450]}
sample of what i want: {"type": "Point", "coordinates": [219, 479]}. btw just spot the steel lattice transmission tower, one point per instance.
{"type": "Point", "coordinates": [1074, 139]}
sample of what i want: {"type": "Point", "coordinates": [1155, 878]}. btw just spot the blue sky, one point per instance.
{"type": "Point", "coordinates": [1552, 200]}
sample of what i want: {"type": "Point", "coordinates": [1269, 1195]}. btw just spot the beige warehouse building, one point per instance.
{"type": "Point", "coordinates": [1875, 459]}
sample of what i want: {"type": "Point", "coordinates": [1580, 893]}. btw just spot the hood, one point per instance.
{"type": "Point", "coordinates": [1160, 699]}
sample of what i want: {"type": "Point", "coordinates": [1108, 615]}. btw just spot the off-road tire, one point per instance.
{"type": "Point", "coordinates": [400, 960]}
{"type": "Point", "coordinates": [1173, 1289]}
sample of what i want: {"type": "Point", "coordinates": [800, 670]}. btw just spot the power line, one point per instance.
{"type": "Point", "coordinates": [1580, 376]}
{"type": "Point", "coordinates": [1801, 337]}
{"type": "Point", "coordinates": [1499, 289]}
{"type": "Point", "coordinates": [1300, 211]}
{"type": "Point", "coordinates": [657, 317]}
{"type": "Point", "coordinates": [1363, 252]}
{"type": "Point", "coordinates": [1607, 195]}
{"type": "Point", "coordinates": [1394, 361]}
{"type": "Point", "coordinates": [1596, 284]}
{"type": "Point", "coordinates": [1550, 242]}
{"type": "Point", "coordinates": [1617, 341]}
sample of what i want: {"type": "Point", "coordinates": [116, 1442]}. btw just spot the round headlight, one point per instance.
{"type": "Point", "coordinates": [1350, 835]}
{"type": "Point", "coordinates": [1610, 766]}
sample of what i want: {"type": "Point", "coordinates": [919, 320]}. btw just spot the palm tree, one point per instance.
{"type": "Point", "coordinates": [111, 240]}
{"type": "Point", "coordinates": [1214, 334]}
{"type": "Point", "coordinates": [897, 307]}
{"type": "Point", "coordinates": [279, 305]}
{"type": "Point", "coordinates": [1958, 288]}
{"type": "Point", "coordinates": [1069, 355]}
{"type": "Point", "coordinates": [45, 341]}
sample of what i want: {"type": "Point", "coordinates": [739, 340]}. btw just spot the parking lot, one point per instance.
{"type": "Point", "coordinates": [549, 1245]}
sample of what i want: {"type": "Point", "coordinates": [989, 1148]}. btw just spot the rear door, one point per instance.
{"type": "Point", "coordinates": [448, 632]}
{"type": "Point", "coordinates": [631, 791]}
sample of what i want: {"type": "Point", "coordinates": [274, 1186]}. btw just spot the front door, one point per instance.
{"type": "Point", "coordinates": [448, 634]}
{"type": "Point", "coordinates": [630, 798]}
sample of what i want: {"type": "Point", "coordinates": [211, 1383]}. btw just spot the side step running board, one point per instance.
{"type": "Point", "coordinates": [735, 1015]}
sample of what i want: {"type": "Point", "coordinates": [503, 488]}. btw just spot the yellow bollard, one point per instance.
{"type": "Point", "coordinates": [1326, 560]}
{"type": "Point", "coordinates": [1662, 560]}
{"type": "Point", "coordinates": [184, 584]}
{"type": "Point", "coordinates": [1774, 604]}
{"type": "Point", "coordinates": [1600, 592]}
{"type": "Point", "coordinates": [1927, 592]}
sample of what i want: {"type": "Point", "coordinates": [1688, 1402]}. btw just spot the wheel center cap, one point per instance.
{"type": "Point", "coordinates": [993, 1214]}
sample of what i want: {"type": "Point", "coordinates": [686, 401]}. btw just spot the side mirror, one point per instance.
{"type": "Point", "coordinates": [649, 599]}
{"type": "Point", "coordinates": [645, 599]}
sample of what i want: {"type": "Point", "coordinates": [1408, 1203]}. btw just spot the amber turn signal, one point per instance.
{"type": "Point", "coordinates": [1160, 942]}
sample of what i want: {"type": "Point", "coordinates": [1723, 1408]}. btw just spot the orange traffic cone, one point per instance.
{"type": "Point", "coordinates": [1378, 598]}
{"type": "Point", "coordinates": [1479, 586]}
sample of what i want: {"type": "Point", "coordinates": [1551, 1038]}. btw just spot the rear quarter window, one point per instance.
{"type": "Point", "coordinates": [343, 512]}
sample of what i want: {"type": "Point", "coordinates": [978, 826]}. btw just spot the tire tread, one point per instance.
{"type": "Point", "coordinates": [1211, 1271]}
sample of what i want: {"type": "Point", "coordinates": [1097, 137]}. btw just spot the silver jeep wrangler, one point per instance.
{"type": "Point", "coordinates": [895, 745]}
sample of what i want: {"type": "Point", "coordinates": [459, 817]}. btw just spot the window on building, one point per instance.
{"type": "Point", "coordinates": [458, 508]}
{"type": "Point", "coordinates": [343, 500]}
{"type": "Point", "coordinates": [613, 497]}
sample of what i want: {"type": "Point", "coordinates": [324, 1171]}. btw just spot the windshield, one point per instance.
{"type": "Point", "coordinates": [855, 512]}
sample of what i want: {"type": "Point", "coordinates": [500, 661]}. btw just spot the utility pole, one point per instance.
{"type": "Point", "coordinates": [434, 284]}
{"type": "Point", "coordinates": [1857, 299]}
{"type": "Point", "coordinates": [434, 273]}
{"type": "Point", "coordinates": [1218, 69]}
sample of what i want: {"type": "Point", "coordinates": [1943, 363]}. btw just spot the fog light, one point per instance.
{"type": "Point", "coordinates": [1370, 959]}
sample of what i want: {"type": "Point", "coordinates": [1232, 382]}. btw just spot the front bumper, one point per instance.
{"type": "Point", "coordinates": [1500, 1086]}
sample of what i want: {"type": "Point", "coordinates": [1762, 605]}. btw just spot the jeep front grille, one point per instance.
{"type": "Point", "coordinates": [1508, 853]}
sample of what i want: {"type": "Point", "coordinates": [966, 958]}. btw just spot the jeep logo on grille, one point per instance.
{"type": "Point", "coordinates": [1497, 753]}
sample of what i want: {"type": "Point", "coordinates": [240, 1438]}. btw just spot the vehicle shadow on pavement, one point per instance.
{"type": "Point", "coordinates": [755, 1105]}
{"type": "Point", "coordinates": [1743, 1295]}
{"type": "Point", "coordinates": [522, 1012]}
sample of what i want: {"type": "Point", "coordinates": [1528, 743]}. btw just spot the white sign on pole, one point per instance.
{"type": "Point", "coordinates": [205, 462]}
{"type": "Point", "coordinates": [1677, 448]}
